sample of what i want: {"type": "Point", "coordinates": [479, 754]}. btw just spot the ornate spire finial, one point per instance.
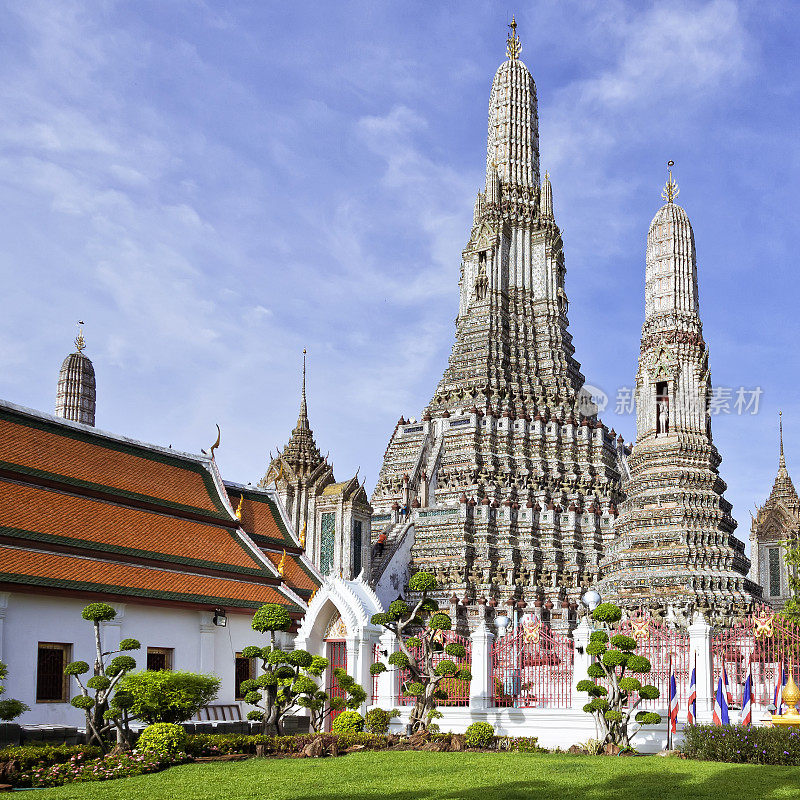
{"type": "Point", "coordinates": [782, 461]}
{"type": "Point", "coordinates": [513, 46]}
{"type": "Point", "coordinates": [80, 342]}
{"type": "Point", "coordinates": [302, 420]}
{"type": "Point", "coordinates": [670, 190]}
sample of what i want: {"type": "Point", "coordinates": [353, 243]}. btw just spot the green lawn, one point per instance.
{"type": "Point", "coordinates": [449, 776]}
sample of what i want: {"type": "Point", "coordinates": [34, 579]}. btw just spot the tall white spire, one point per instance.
{"type": "Point", "coordinates": [76, 396]}
{"type": "Point", "coordinates": [513, 141]}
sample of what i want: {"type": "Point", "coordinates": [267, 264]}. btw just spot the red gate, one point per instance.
{"type": "Point", "coordinates": [457, 690]}
{"type": "Point", "coordinates": [765, 645]}
{"type": "Point", "coordinates": [337, 656]}
{"type": "Point", "coordinates": [533, 668]}
{"type": "Point", "coordinates": [665, 648]}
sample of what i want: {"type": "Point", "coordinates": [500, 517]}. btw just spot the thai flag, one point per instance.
{"type": "Point", "coordinates": [691, 707]}
{"type": "Point", "coordinates": [779, 690]}
{"type": "Point", "coordinates": [728, 695]}
{"type": "Point", "coordinates": [673, 704]}
{"type": "Point", "coordinates": [720, 706]}
{"type": "Point", "coordinates": [747, 701]}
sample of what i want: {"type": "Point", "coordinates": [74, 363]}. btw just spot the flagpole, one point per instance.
{"type": "Point", "coordinates": [669, 704]}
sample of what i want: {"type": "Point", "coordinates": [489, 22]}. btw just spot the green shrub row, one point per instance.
{"type": "Point", "coordinates": [79, 769]}
{"type": "Point", "coordinates": [212, 744]}
{"type": "Point", "coordinates": [35, 755]}
{"type": "Point", "coordinates": [738, 744]}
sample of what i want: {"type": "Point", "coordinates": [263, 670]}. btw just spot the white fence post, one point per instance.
{"type": "Point", "coordinates": [388, 681]}
{"type": "Point", "coordinates": [700, 654]}
{"type": "Point", "coordinates": [581, 636]}
{"type": "Point", "coordinates": [480, 688]}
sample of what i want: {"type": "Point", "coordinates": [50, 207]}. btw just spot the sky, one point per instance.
{"type": "Point", "coordinates": [213, 186]}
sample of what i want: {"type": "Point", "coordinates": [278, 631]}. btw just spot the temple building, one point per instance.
{"type": "Point", "coordinates": [675, 541]}
{"type": "Point", "coordinates": [333, 520]}
{"type": "Point", "coordinates": [508, 484]}
{"type": "Point", "coordinates": [775, 524]}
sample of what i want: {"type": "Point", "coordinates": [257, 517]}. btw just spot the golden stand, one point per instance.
{"type": "Point", "coordinates": [790, 696]}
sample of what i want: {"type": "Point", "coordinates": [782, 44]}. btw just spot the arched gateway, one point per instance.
{"type": "Point", "coordinates": [337, 626]}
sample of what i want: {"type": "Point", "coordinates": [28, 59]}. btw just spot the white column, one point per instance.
{"type": "Point", "coordinates": [206, 649]}
{"type": "Point", "coordinates": [4, 596]}
{"type": "Point", "coordinates": [700, 653]}
{"type": "Point", "coordinates": [361, 673]}
{"type": "Point", "coordinates": [480, 688]}
{"type": "Point", "coordinates": [581, 636]}
{"type": "Point", "coordinates": [389, 681]}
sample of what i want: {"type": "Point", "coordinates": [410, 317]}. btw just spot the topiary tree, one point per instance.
{"type": "Point", "coordinates": [322, 705]}
{"type": "Point", "coordinates": [167, 696]}
{"type": "Point", "coordinates": [10, 709]}
{"type": "Point", "coordinates": [108, 708]}
{"type": "Point", "coordinates": [417, 628]}
{"type": "Point", "coordinates": [377, 720]}
{"type": "Point", "coordinates": [616, 665]}
{"type": "Point", "coordinates": [163, 739]}
{"type": "Point", "coordinates": [288, 681]}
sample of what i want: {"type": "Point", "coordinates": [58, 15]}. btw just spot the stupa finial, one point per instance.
{"type": "Point", "coordinates": [782, 460]}
{"type": "Point", "coordinates": [670, 190]}
{"type": "Point", "coordinates": [80, 342]}
{"type": "Point", "coordinates": [513, 46]}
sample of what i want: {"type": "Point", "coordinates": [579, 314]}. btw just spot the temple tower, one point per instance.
{"type": "Point", "coordinates": [775, 525]}
{"type": "Point", "coordinates": [76, 396]}
{"type": "Point", "coordinates": [675, 534]}
{"type": "Point", "coordinates": [507, 485]}
{"type": "Point", "coordinates": [332, 519]}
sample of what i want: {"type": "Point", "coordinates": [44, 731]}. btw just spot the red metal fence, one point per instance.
{"type": "Point", "coordinates": [765, 645]}
{"type": "Point", "coordinates": [533, 668]}
{"type": "Point", "coordinates": [665, 648]}
{"type": "Point", "coordinates": [457, 690]}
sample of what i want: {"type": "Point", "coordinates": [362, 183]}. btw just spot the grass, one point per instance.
{"type": "Point", "coordinates": [449, 776]}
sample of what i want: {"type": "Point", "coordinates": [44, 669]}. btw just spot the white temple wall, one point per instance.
{"type": "Point", "coordinates": [197, 645]}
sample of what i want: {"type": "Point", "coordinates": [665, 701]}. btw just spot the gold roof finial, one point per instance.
{"type": "Point", "coordinates": [670, 190]}
{"type": "Point", "coordinates": [239, 507]}
{"type": "Point", "coordinates": [303, 535]}
{"type": "Point", "coordinates": [282, 564]}
{"type": "Point", "coordinates": [80, 342]}
{"type": "Point", "coordinates": [513, 46]}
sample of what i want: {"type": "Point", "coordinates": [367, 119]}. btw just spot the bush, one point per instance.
{"type": "Point", "coordinates": [166, 696]}
{"type": "Point", "coordinates": [348, 722]}
{"type": "Point", "coordinates": [377, 720]}
{"type": "Point", "coordinates": [46, 755]}
{"type": "Point", "coordinates": [738, 744]}
{"type": "Point", "coordinates": [11, 709]}
{"type": "Point", "coordinates": [213, 744]}
{"type": "Point", "coordinates": [479, 734]}
{"type": "Point", "coordinates": [163, 738]}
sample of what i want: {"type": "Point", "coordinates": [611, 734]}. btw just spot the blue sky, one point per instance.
{"type": "Point", "coordinates": [214, 186]}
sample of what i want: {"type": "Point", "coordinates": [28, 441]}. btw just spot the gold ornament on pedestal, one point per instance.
{"type": "Point", "coordinates": [790, 697]}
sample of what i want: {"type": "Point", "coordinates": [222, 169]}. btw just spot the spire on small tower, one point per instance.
{"type": "Point", "coordinates": [76, 397]}
{"type": "Point", "coordinates": [302, 419]}
{"type": "Point", "coordinates": [781, 460]}
{"type": "Point", "coordinates": [513, 46]}
{"type": "Point", "coordinates": [670, 190]}
{"type": "Point", "coordinates": [546, 198]}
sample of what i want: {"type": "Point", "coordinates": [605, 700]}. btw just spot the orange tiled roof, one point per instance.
{"type": "Point", "coordinates": [261, 517]}
{"type": "Point", "coordinates": [49, 448]}
{"type": "Point", "coordinates": [294, 574]}
{"type": "Point", "coordinates": [18, 566]}
{"type": "Point", "coordinates": [36, 513]}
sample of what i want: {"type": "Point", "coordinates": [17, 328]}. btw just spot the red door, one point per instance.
{"type": "Point", "coordinates": [337, 657]}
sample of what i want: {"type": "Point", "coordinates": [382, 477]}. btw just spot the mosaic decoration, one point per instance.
{"type": "Point", "coordinates": [336, 628]}
{"type": "Point", "coordinates": [327, 535]}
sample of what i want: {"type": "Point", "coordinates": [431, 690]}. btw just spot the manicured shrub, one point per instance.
{"type": "Point", "coordinates": [377, 720]}
{"type": "Point", "coordinates": [271, 617]}
{"type": "Point", "coordinates": [11, 709]}
{"type": "Point", "coordinates": [348, 722]}
{"type": "Point", "coordinates": [479, 734]}
{"type": "Point", "coordinates": [168, 696]}
{"type": "Point", "coordinates": [163, 738]}
{"type": "Point", "coordinates": [739, 744]}
{"type": "Point", "coordinates": [30, 756]}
